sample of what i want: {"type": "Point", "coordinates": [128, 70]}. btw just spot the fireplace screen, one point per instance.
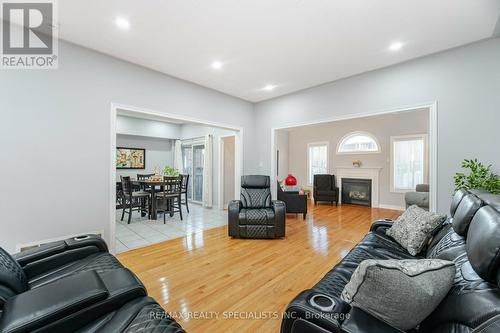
{"type": "Point", "coordinates": [357, 191]}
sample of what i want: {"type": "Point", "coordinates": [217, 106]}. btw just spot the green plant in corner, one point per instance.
{"type": "Point", "coordinates": [170, 171]}
{"type": "Point", "coordinates": [479, 176]}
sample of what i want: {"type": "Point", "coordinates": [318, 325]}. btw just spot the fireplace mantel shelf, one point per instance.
{"type": "Point", "coordinates": [362, 168]}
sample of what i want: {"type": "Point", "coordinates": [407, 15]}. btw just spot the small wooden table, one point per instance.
{"type": "Point", "coordinates": [153, 184]}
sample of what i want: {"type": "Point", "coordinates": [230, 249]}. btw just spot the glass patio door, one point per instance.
{"type": "Point", "coordinates": [193, 157]}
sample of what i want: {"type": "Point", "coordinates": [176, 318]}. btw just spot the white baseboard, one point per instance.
{"type": "Point", "coordinates": [393, 207]}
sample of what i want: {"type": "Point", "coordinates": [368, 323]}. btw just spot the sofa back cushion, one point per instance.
{"type": "Point", "coordinates": [455, 201]}
{"type": "Point", "coordinates": [483, 244]}
{"type": "Point", "coordinates": [464, 213]}
{"type": "Point", "coordinates": [255, 191]}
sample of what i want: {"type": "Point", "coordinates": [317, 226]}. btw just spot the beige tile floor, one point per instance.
{"type": "Point", "coordinates": [142, 232]}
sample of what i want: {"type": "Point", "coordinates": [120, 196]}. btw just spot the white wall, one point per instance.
{"type": "Point", "coordinates": [55, 138]}
{"type": "Point", "coordinates": [159, 153]}
{"type": "Point", "coordinates": [382, 127]}
{"type": "Point", "coordinates": [282, 145]}
{"type": "Point", "coordinates": [465, 82]}
{"type": "Point", "coordinates": [189, 131]}
{"type": "Point", "coordinates": [146, 127]}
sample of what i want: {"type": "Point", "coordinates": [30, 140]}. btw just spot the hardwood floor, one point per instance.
{"type": "Point", "coordinates": [221, 284]}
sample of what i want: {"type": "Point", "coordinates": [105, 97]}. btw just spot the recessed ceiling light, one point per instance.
{"type": "Point", "coordinates": [269, 87]}
{"type": "Point", "coordinates": [396, 46]}
{"type": "Point", "coordinates": [122, 23]}
{"type": "Point", "coordinates": [217, 65]}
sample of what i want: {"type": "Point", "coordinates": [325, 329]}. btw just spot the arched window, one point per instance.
{"type": "Point", "coordinates": [358, 143]}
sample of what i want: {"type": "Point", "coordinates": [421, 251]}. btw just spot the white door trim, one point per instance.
{"type": "Point", "coordinates": [144, 111]}
{"type": "Point", "coordinates": [432, 106]}
{"type": "Point", "coordinates": [237, 174]}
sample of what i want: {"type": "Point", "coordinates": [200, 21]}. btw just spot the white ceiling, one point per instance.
{"type": "Point", "coordinates": [294, 44]}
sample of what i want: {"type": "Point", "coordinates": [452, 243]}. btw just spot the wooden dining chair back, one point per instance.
{"type": "Point", "coordinates": [133, 200]}
{"type": "Point", "coordinates": [184, 190]}
{"type": "Point", "coordinates": [146, 176]}
{"type": "Point", "coordinates": [169, 199]}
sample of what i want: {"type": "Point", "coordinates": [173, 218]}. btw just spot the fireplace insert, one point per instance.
{"type": "Point", "coordinates": [357, 191]}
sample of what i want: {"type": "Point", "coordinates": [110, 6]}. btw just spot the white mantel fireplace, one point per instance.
{"type": "Point", "coordinates": [372, 173]}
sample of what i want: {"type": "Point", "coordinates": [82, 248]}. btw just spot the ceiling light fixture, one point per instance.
{"type": "Point", "coordinates": [122, 23]}
{"type": "Point", "coordinates": [269, 87]}
{"type": "Point", "coordinates": [217, 65]}
{"type": "Point", "coordinates": [396, 46]}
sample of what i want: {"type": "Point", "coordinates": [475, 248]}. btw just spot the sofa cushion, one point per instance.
{"type": "Point", "coordinates": [483, 244]}
{"type": "Point", "coordinates": [372, 246]}
{"type": "Point", "coordinates": [455, 201]}
{"type": "Point", "coordinates": [464, 213]}
{"type": "Point", "coordinates": [325, 192]}
{"type": "Point", "coordinates": [264, 216]}
{"type": "Point", "coordinates": [414, 228]}
{"type": "Point", "coordinates": [401, 293]}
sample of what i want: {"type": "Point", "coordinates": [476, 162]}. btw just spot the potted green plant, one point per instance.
{"type": "Point", "coordinates": [170, 171]}
{"type": "Point", "coordinates": [478, 176]}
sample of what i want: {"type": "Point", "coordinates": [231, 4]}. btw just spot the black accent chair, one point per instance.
{"type": "Point", "coordinates": [184, 190]}
{"type": "Point", "coordinates": [255, 215]}
{"type": "Point", "coordinates": [169, 199]}
{"type": "Point", "coordinates": [325, 189]}
{"type": "Point", "coordinates": [133, 200]}
{"type": "Point", "coordinates": [295, 203]}
{"type": "Point", "coordinates": [470, 238]}
{"type": "Point", "coordinates": [75, 285]}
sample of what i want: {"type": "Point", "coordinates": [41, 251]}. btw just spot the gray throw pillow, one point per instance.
{"type": "Point", "coordinates": [414, 228]}
{"type": "Point", "coordinates": [401, 293]}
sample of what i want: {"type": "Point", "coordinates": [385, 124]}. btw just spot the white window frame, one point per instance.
{"type": "Point", "coordinates": [316, 144]}
{"type": "Point", "coordinates": [359, 152]}
{"type": "Point", "coordinates": [395, 138]}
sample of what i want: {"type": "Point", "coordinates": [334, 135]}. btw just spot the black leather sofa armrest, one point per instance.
{"type": "Point", "coordinates": [381, 224]}
{"type": "Point", "coordinates": [71, 303]}
{"type": "Point", "coordinates": [233, 212]}
{"type": "Point", "coordinates": [359, 321]}
{"type": "Point", "coordinates": [312, 311]}
{"type": "Point", "coordinates": [51, 255]}
{"type": "Point", "coordinates": [49, 249]}
{"type": "Point", "coordinates": [279, 208]}
{"type": "Point", "coordinates": [36, 308]}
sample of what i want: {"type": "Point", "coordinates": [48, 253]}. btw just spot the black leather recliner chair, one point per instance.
{"type": "Point", "coordinates": [75, 285]}
{"type": "Point", "coordinates": [325, 189]}
{"type": "Point", "coordinates": [470, 238]}
{"type": "Point", "coordinates": [255, 215]}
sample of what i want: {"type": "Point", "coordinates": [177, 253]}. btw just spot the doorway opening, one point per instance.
{"type": "Point", "coordinates": [169, 144]}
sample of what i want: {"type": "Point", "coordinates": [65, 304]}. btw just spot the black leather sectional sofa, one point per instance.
{"type": "Point", "coordinates": [470, 238]}
{"type": "Point", "coordinates": [75, 285]}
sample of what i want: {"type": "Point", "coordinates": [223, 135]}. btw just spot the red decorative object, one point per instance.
{"type": "Point", "coordinates": [290, 180]}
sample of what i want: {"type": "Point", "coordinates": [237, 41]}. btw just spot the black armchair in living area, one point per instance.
{"type": "Point", "coordinates": [255, 215]}
{"type": "Point", "coordinates": [325, 189]}
{"type": "Point", "coordinates": [295, 202]}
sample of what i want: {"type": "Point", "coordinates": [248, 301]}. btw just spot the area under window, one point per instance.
{"type": "Point", "coordinates": [358, 143]}
{"type": "Point", "coordinates": [317, 159]}
{"type": "Point", "coordinates": [408, 162]}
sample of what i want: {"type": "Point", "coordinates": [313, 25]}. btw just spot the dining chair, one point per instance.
{"type": "Point", "coordinates": [169, 198]}
{"type": "Point", "coordinates": [146, 188]}
{"type": "Point", "coordinates": [184, 189]}
{"type": "Point", "coordinates": [132, 200]}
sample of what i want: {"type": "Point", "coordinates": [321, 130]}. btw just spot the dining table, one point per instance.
{"type": "Point", "coordinates": [155, 186]}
